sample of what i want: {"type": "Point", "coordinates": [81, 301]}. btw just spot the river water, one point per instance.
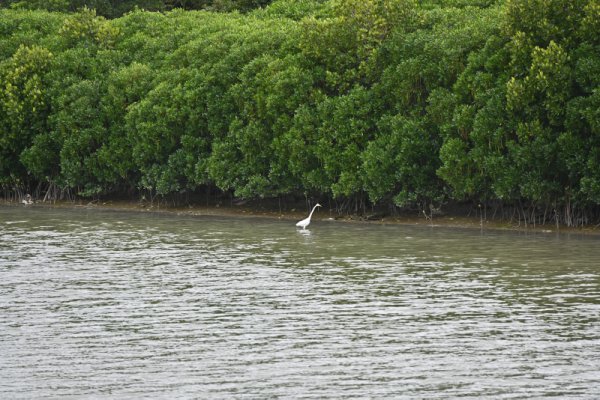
{"type": "Point", "coordinates": [103, 304]}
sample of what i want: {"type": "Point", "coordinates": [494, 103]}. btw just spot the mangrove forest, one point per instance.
{"type": "Point", "coordinates": [396, 104]}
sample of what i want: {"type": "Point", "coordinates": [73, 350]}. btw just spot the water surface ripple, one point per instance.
{"type": "Point", "coordinates": [101, 304]}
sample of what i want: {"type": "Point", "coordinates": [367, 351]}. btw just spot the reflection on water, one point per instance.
{"type": "Point", "coordinates": [106, 304]}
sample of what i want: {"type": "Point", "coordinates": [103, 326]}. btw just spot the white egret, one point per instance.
{"type": "Point", "coordinates": [304, 223]}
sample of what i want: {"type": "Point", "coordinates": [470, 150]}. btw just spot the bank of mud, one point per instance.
{"type": "Point", "coordinates": [464, 219]}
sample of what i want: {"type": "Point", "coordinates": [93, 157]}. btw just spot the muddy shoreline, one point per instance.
{"type": "Point", "coordinates": [298, 213]}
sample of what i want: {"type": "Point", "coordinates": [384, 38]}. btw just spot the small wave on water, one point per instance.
{"type": "Point", "coordinates": [16, 222]}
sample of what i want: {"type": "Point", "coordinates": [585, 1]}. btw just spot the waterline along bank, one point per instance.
{"type": "Point", "coordinates": [465, 217]}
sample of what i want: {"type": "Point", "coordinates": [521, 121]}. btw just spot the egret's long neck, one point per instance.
{"type": "Point", "coordinates": [312, 211]}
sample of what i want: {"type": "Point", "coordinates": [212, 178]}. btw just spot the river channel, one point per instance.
{"type": "Point", "coordinates": [106, 304]}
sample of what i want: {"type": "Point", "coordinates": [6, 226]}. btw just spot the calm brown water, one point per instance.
{"type": "Point", "coordinates": [97, 304]}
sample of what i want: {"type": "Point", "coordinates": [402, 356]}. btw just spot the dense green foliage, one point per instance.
{"type": "Point", "coordinates": [116, 8]}
{"type": "Point", "coordinates": [401, 102]}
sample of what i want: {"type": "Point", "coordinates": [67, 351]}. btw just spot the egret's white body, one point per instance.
{"type": "Point", "coordinates": [304, 223]}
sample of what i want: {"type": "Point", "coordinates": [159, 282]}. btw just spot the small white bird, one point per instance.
{"type": "Point", "coordinates": [304, 223]}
